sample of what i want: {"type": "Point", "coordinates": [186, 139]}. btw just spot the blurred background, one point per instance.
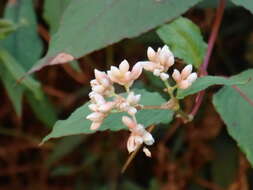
{"type": "Point", "coordinates": [196, 156]}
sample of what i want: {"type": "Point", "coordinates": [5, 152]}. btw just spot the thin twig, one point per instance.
{"type": "Point", "coordinates": [211, 42]}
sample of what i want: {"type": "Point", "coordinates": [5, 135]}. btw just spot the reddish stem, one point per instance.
{"type": "Point", "coordinates": [211, 42]}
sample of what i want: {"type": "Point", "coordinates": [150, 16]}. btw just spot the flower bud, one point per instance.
{"type": "Point", "coordinates": [128, 122]}
{"type": "Point", "coordinates": [151, 54]}
{"type": "Point", "coordinates": [147, 152]}
{"type": "Point", "coordinates": [148, 138]}
{"type": "Point", "coordinates": [164, 76]}
{"type": "Point", "coordinates": [186, 71]}
{"type": "Point", "coordinates": [95, 125]}
{"type": "Point", "coordinates": [132, 111]}
{"type": "Point", "coordinates": [95, 116]}
{"type": "Point", "coordinates": [176, 75]}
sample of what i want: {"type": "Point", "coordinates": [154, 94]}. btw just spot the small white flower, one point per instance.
{"type": "Point", "coordinates": [160, 61]}
{"type": "Point", "coordinates": [138, 134]}
{"type": "Point", "coordinates": [122, 75]}
{"type": "Point", "coordinates": [186, 78]}
{"type": "Point", "coordinates": [164, 76]}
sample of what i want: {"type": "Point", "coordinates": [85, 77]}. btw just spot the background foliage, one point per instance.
{"type": "Point", "coordinates": [214, 151]}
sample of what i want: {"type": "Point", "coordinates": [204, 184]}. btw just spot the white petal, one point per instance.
{"type": "Point", "coordinates": [98, 89]}
{"type": "Point", "coordinates": [164, 76]}
{"type": "Point", "coordinates": [136, 71]}
{"type": "Point", "coordinates": [99, 75]}
{"type": "Point", "coordinates": [132, 111]}
{"type": "Point", "coordinates": [192, 77]}
{"type": "Point", "coordinates": [95, 116]}
{"type": "Point", "coordinates": [124, 66]}
{"type": "Point", "coordinates": [147, 152]}
{"type": "Point", "coordinates": [131, 146]}
{"type": "Point", "coordinates": [148, 138]}
{"type": "Point", "coordinates": [186, 71]}
{"type": "Point", "coordinates": [184, 84]}
{"type": "Point", "coordinates": [93, 107]}
{"type": "Point", "coordinates": [128, 122]}
{"type": "Point", "coordinates": [95, 125]}
{"type": "Point", "coordinates": [157, 72]}
{"type": "Point", "coordinates": [176, 75]}
{"type": "Point", "coordinates": [151, 54]}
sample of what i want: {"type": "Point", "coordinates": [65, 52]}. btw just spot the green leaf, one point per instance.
{"type": "Point", "coordinates": [78, 124]}
{"type": "Point", "coordinates": [24, 44]}
{"type": "Point", "coordinates": [185, 40]}
{"type": "Point", "coordinates": [18, 72]}
{"type": "Point", "coordinates": [204, 82]}
{"type": "Point", "coordinates": [14, 92]}
{"type": "Point", "coordinates": [237, 113]}
{"type": "Point", "coordinates": [53, 11]}
{"type": "Point", "coordinates": [247, 4]}
{"type": "Point", "coordinates": [87, 25]}
{"type": "Point", "coordinates": [6, 28]}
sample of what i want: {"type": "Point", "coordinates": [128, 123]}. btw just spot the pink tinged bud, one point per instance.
{"type": "Point", "coordinates": [186, 71]}
{"type": "Point", "coordinates": [136, 71]}
{"type": "Point", "coordinates": [98, 89]}
{"type": "Point", "coordinates": [129, 122]}
{"type": "Point", "coordinates": [164, 76]}
{"type": "Point", "coordinates": [132, 111]}
{"type": "Point", "coordinates": [124, 66]}
{"type": "Point", "coordinates": [157, 72]}
{"type": "Point", "coordinates": [95, 116]}
{"type": "Point", "coordinates": [148, 138]}
{"type": "Point", "coordinates": [99, 99]}
{"type": "Point", "coordinates": [184, 84]}
{"type": "Point", "coordinates": [176, 75]}
{"type": "Point", "coordinates": [105, 82]}
{"type": "Point", "coordinates": [192, 77]}
{"type": "Point", "coordinates": [133, 99]}
{"type": "Point", "coordinates": [170, 61]}
{"type": "Point", "coordinates": [151, 54]}
{"type": "Point", "coordinates": [94, 82]}
{"type": "Point", "coordinates": [99, 75]}
{"type": "Point", "coordinates": [106, 107]}
{"type": "Point", "coordinates": [133, 142]}
{"type": "Point", "coordinates": [93, 107]}
{"type": "Point", "coordinates": [95, 125]}
{"type": "Point", "coordinates": [147, 152]}
{"type": "Point", "coordinates": [147, 65]}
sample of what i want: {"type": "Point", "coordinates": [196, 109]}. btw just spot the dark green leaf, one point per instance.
{"type": "Point", "coordinates": [204, 82]}
{"type": "Point", "coordinates": [88, 25]}
{"type": "Point", "coordinates": [53, 11]}
{"type": "Point", "coordinates": [237, 112]}
{"type": "Point", "coordinates": [247, 4]}
{"type": "Point", "coordinates": [18, 72]}
{"type": "Point", "coordinates": [14, 91]}
{"type": "Point", "coordinates": [24, 44]}
{"type": "Point", "coordinates": [185, 40]}
{"type": "Point", "coordinates": [78, 124]}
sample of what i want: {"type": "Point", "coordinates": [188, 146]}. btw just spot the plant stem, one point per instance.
{"type": "Point", "coordinates": [211, 42]}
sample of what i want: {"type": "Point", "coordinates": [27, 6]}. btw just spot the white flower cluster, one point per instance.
{"type": "Point", "coordinates": [102, 89]}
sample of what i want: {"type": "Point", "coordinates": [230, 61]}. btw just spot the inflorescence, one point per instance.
{"type": "Point", "coordinates": [104, 99]}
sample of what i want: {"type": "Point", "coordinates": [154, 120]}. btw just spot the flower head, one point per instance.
{"type": "Point", "coordinates": [185, 78]}
{"type": "Point", "coordinates": [102, 83]}
{"type": "Point", "coordinates": [159, 62]}
{"type": "Point", "coordinates": [122, 75]}
{"type": "Point", "coordinates": [138, 134]}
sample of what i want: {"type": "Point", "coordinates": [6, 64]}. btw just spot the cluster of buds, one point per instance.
{"type": "Point", "coordinates": [102, 89]}
{"type": "Point", "coordinates": [159, 62]}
